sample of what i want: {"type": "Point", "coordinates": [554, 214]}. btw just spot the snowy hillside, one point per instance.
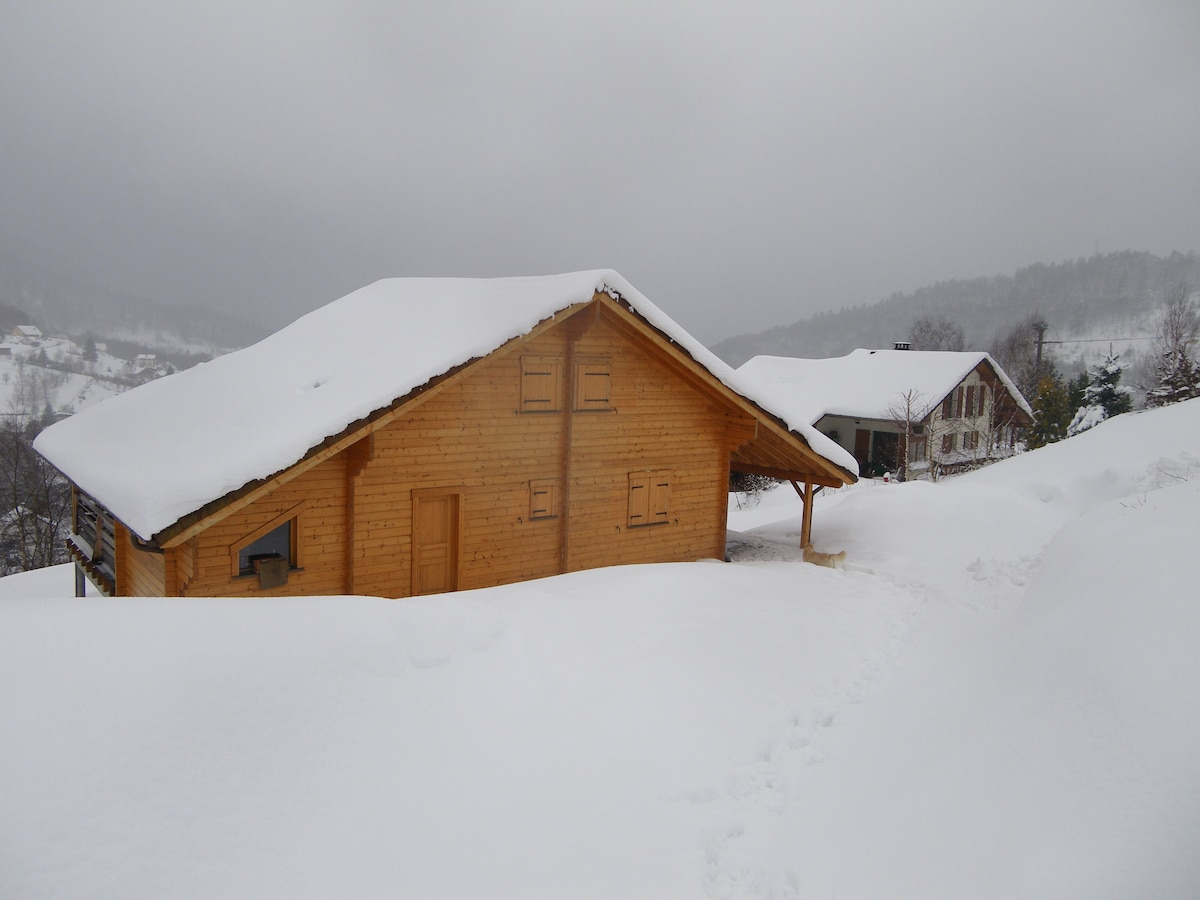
{"type": "Point", "coordinates": [51, 371]}
{"type": "Point", "coordinates": [995, 698]}
{"type": "Point", "coordinates": [1088, 304]}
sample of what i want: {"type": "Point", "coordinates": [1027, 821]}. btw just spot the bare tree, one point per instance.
{"type": "Point", "coordinates": [1177, 375]}
{"type": "Point", "coordinates": [909, 411]}
{"type": "Point", "coordinates": [936, 333]}
{"type": "Point", "coordinates": [35, 502]}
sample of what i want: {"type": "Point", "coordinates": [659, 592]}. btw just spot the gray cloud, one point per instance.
{"type": "Point", "coordinates": [744, 165]}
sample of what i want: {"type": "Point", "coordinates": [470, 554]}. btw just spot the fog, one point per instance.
{"type": "Point", "coordinates": [744, 165]}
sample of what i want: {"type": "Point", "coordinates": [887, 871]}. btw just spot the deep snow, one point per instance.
{"type": "Point", "coordinates": [995, 698]}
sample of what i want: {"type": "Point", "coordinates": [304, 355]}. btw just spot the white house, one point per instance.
{"type": "Point", "coordinates": [900, 410]}
{"type": "Point", "coordinates": [29, 333]}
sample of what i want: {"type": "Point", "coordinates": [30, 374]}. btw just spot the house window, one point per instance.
{"type": "Point", "coordinates": [541, 383]}
{"type": "Point", "coordinates": [277, 542]}
{"type": "Point", "coordinates": [970, 440]}
{"type": "Point", "coordinates": [278, 539]}
{"type": "Point", "coordinates": [918, 451]}
{"type": "Point", "coordinates": [543, 499]}
{"type": "Point", "coordinates": [592, 385]}
{"type": "Point", "coordinates": [951, 404]}
{"type": "Point", "coordinates": [969, 410]}
{"type": "Point", "coordinates": [947, 443]}
{"type": "Point", "coordinates": [649, 496]}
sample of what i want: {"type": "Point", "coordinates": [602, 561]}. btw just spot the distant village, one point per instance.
{"type": "Point", "coordinates": [53, 376]}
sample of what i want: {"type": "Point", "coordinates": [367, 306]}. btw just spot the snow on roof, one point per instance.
{"type": "Point", "coordinates": [863, 384]}
{"type": "Point", "coordinates": [163, 450]}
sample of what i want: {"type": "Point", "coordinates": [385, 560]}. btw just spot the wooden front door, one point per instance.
{"type": "Point", "coordinates": [862, 445]}
{"type": "Point", "coordinates": [436, 531]}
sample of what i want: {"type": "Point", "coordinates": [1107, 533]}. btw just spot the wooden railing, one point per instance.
{"type": "Point", "coordinates": [95, 540]}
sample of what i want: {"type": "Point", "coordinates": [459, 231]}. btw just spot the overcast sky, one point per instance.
{"type": "Point", "coordinates": [743, 164]}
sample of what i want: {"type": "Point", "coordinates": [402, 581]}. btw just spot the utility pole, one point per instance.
{"type": "Point", "coordinates": [1040, 327]}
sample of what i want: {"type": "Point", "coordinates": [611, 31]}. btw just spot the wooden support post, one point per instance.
{"type": "Point", "coordinates": [806, 527]}
{"type": "Point", "coordinates": [80, 581]}
{"type": "Point", "coordinates": [806, 494]}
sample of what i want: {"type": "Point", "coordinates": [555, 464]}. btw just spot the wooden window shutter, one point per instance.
{"type": "Point", "coordinates": [593, 382]}
{"type": "Point", "coordinates": [948, 406]}
{"type": "Point", "coordinates": [543, 498]}
{"type": "Point", "coordinates": [541, 383]}
{"type": "Point", "coordinates": [649, 498]}
{"type": "Point", "coordinates": [660, 494]}
{"type": "Point", "coordinates": [639, 499]}
{"type": "Point", "coordinates": [970, 410]}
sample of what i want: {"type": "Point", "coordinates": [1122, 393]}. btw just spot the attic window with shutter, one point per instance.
{"type": "Point", "coordinates": [543, 498]}
{"type": "Point", "coordinates": [592, 385]}
{"type": "Point", "coordinates": [541, 383]}
{"type": "Point", "coordinates": [649, 495]}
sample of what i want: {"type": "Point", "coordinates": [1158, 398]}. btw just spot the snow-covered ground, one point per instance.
{"type": "Point", "coordinates": [995, 698]}
{"type": "Point", "coordinates": [26, 387]}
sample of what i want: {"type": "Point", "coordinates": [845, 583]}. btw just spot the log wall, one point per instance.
{"type": "Point", "coordinates": [474, 437]}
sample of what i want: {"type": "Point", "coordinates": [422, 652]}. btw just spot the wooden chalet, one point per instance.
{"type": "Point", "coordinates": [426, 435]}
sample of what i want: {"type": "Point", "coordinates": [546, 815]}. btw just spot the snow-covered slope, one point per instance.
{"type": "Point", "coordinates": [27, 386]}
{"type": "Point", "coordinates": [995, 698]}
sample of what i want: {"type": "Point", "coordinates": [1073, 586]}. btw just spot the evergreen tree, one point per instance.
{"type": "Point", "coordinates": [1177, 377]}
{"type": "Point", "coordinates": [1104, 398]}
{"type": "Point", "coordinates": [1051, 413]}
{"type": "Point", "coordinates": [1077, 390]}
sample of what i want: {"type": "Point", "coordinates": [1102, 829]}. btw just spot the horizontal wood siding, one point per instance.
{"type": "Point", "coordinates": [322, 490]}
{"type": "Point", "coordinates": [658, 422]}
{"type": "Point", "coordinates": [474, 438]}
{"type": "Point", "coordinates": [146, 572]}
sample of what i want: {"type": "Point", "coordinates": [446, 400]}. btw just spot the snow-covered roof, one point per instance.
{"type": "Point", "coordinates": [29, 331]}
{"type": "Point", "coordinates": [163, 450]}
{"type": "Point", "coordinates": [863, 384]}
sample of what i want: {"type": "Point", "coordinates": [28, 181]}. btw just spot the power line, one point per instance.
{"type": "Point", "coordinates": [1099, 340]}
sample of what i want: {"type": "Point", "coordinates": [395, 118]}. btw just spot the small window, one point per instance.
{"type": "Point", "coordinates": [275, 543]}
{"type": "Point", "coordinates": [593, 380]}
{"type": "Point", "coordinates": [947, 443]}
{"type": "Point", "coordinates": [969, 410]}
{"type": "Point", "coordinates": [649, 496]}
{"type": "Point", "coordinates": [543, 499]}
{"type": "Point", "coordinates": [541, 384]}
{"type": "Point", "coordinates": [918, 451]}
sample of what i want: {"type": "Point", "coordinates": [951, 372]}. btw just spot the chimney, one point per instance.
{"type": "Point", "coordinates": [902, 345]}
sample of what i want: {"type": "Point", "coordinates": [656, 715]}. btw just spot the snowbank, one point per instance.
{"type": "Point", "coordinates": [994, 699]}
